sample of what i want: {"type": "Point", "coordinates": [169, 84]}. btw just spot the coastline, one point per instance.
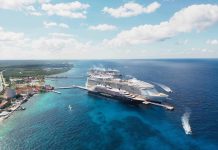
{"type": "Point", "coordinates": [15, 107]}
{"type": "Point", "coordinates": [18, 105]}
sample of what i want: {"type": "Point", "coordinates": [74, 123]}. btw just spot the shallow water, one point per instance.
{"type": "Point", "coordinates": [100, 123]}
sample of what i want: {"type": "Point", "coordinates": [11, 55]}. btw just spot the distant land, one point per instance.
{"type": "Point", "coordinates": [28, 68]}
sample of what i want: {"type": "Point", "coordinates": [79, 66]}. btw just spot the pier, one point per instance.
{"type": "Point", "coordinates": [136, 98]}
{"type": "Point", "coordinates": [72, 87]}
{"type": "Point", "coordinates": [64, 77]}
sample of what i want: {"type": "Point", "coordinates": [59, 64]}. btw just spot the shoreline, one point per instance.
{"type": "Point", "coordinates": [25, 99]}
{"type": "Point", "coordinates": [16, 107]}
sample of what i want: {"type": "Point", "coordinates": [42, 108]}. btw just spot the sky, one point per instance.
{"type": "Point", "coordinates": [108, 29]}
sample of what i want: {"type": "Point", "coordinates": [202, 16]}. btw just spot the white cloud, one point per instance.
{"type": "Point", "coordinates": [44, 1]}
{"type": "Point", "coordinates": [35, 13]}
{"type": "Point", "coordinates": [65, 46]}
{"type": "Point", "coordinates": [202, 50]}
{"type": "Point", "coordinates": [131, 9]}
{"type": "Point", "coordinates": [71, 10]}
{"type": "Point", "coordinates": [194, 17]}
{"type": "Point", "coordinates": [49, 24]}
{"type": "Point", "coordinates": [53, 46]}
{"type": "Point", "coordinates": [15, 4]}
{"type": "Point", "coordinates": [54, 24]}
{"type": "Point", "coordinates": [103, 27]}
{"type": "Point", "coordinates": [11, 42]}
{"type": "Point", "coordinates": [19, 4]}
{"type": "Point", "coordinates": [212, 42]}
{"type": "Point", "coordinates": [63, 25]}
{"type": "Point", "coordinates": [58, 42]}
{"type": "Point", "coordinates": [6, 36]}
{"type": "Point", "coordinates": [26, 6]}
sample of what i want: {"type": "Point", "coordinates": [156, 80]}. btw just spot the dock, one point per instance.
{"type": "Point", "coordinates": [64, 77]}
{"type": "Point", "coordinates": [72, 87]}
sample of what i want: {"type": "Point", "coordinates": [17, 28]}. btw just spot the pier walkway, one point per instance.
{"type": "Point", "coordinates": [64, 77]}
{"type": "Point", "coordinates": [72, 87]}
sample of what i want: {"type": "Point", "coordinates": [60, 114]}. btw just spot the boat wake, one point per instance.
{"type": "Point", "coordinates": [164, 87]}
{"type": "Point", "coordinates": [185, 123]}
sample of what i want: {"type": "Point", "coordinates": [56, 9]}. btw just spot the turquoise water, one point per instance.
{"type": "Point", "coordinates": [100, 123]}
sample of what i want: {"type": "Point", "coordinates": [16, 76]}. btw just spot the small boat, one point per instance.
{"type": "Point", "coordinates": [70, 107]}
{"type": "Point", "coordinates": [22, 108]}
{"type": "Point", "coordinates": [56, 92]}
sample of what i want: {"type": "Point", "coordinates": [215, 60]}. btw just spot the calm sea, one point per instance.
{"type": "Point", "coordinates": [97, 123]}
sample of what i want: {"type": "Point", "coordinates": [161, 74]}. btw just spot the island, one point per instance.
{"type": "Point", "coordinates": [19, 82]}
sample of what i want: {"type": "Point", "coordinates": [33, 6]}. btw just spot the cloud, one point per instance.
{"type": "Point", "coordinates": [212, 42]}
{"type": "Point", "coordinates": [26, 6]}
{"type": "Point", "coordinates": [202, 50]}
{"type": "Point", "coordinates": [58, 42]}
{"type": "Point", "coordinates": [6, 36]}
{"type": "Point", "coordinates": [194, 17]}
{"type": "Point", "coordinates": [103, 27]}
{"type": "Point", "coordinates": [54, 24]}
{"type": "Point", "coordinates": [11, 42]}
{"type": "Point", "coordinates": [43, 1]}
{"type": "Point", "coordinates": [52, 46]}
{"type": "Point", "coordinates": [15, 45]}
{"type": "Point", "coordinates": [35, 13]}
{"type": "Point", "coordinates": [71, 10]}
{"type": "Point", "coordinates": [63, 25]}
{"type": "Point", "coordinates": [15, 4]}
{"type": "Point", "coordinates": [131, 9]}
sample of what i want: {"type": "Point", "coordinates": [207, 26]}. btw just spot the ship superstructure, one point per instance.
{"type": "Point", "coordinates": [109, 82]}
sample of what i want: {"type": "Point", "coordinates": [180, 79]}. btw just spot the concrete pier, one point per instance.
{"type": "Point", "coordinates": [72, 87]}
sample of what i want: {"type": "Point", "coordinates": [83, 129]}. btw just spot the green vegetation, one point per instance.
{"type": "Point", "coordinates": [34, 70]}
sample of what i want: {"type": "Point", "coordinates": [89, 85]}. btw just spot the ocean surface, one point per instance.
{"type": "Point", "coordinates": [97, 123]}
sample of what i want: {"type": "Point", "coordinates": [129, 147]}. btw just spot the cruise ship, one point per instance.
{"type": "Point", "coordinates": [111, 83]}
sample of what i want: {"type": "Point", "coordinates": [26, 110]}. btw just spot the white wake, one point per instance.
{"type": "Point", "coordinates": [185, 123]}
{"type": "Point", "coordinates": [164, 87]}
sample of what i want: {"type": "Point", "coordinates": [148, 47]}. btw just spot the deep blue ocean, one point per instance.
{"type": "Point", "coordinates": [97, 123]}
